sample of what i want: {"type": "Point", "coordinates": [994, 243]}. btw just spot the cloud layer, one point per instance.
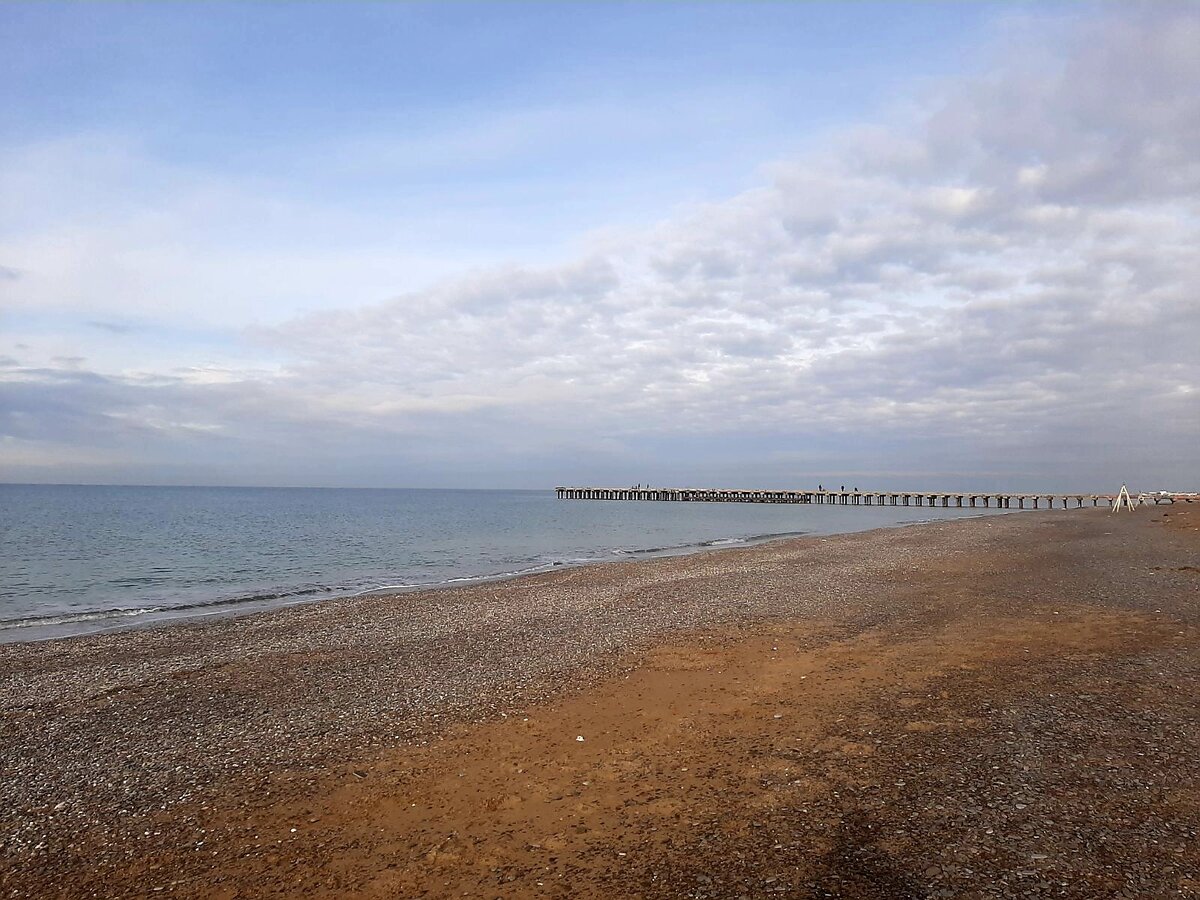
{"type": "Point", "coordinates": [997, 285]}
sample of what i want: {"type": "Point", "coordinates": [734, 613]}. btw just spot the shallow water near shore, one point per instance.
{"type": "Point", "coordinates": [80, 559]}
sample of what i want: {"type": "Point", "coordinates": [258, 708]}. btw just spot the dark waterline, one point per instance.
{"type": "Point", "coordinates": [80, 559]}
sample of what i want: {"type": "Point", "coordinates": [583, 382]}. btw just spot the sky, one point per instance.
{"type": "Point", "coordinates": [519, 245]}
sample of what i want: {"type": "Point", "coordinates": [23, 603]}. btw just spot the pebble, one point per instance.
{"type": "Point", "coordinates": [187, 712]}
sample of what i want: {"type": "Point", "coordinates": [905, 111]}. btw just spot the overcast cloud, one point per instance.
{"type": "Point", "coordinates": [994, 283]}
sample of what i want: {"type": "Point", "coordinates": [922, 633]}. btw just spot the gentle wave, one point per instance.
{"type": "Point", "coordinates": [775, 535]}
{"type": "Point", "coordinates": [382, 589]}
{"type": "Point", "coordinates": [495, 576]}
{"type": "Point", "coordinates": [125, 613]}
{"type": "Point", "coordinates": [670, 548]}
{"type": "Point", "coordinates": [715, 542]}
{"type": "Point", "coordinates": [641, 551]}
{"type": "Point", "coordinates": [210, 606]}
{"type": "Point", "coordinates": [72, 618]}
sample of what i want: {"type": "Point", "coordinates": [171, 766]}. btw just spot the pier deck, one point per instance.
{"type": "Point", "coordinates": [985, 499]}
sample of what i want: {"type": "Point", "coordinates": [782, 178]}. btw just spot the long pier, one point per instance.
{"type": "Point", "coordinates": [964, 499]}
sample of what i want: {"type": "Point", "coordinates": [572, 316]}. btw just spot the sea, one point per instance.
{"type": "Point", "coordinates": [79, 559]}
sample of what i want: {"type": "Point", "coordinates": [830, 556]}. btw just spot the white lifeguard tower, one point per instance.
{"type": "Point", "coordinates": [1123, 501]}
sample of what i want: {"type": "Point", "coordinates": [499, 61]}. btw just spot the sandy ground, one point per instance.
{"type": "Point", "coordinates": [1005, 706]}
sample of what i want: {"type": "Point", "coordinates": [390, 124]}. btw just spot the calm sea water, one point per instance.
{"type": "Point", "coordinates": [77, 559]}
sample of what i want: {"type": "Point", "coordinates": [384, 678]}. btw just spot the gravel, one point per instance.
{"type": "Point", "coordinates": [107, 742]}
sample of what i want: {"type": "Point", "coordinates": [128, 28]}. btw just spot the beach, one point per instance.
{"type": "Point", "coordinates": [998, 706]}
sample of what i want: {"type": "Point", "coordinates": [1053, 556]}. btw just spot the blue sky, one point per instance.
{"type": "Point", "coordinates": [382, 243]}
{"type": "Point", "coordinates": [481, 132]}
{"type": "Point", "coordinates": [217, 83]}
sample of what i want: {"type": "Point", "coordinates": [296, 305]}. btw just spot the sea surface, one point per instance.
{"type": "Point", "coordinates": [78, 559]}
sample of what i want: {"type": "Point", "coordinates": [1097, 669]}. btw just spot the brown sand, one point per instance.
{"type": "Point", "coordinates": [994, 707]}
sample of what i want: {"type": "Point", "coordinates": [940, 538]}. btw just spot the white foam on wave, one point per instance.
{"type": "Point", "coordinates": [462, 579]}
{"type": "Point", "coordinates": [72, 618]}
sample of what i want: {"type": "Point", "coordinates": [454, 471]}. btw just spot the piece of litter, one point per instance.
{"type": "Point", "coordinates": [579, 737]}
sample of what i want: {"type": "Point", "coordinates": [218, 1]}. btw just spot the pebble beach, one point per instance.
{"type": "Point", "coordinates": [1002, 706]}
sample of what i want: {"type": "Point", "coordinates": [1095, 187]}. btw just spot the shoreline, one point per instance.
{"type": "Point", "coordinates": [230, 758]}
{"type": "Point", "coordinates": [56, 627]}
